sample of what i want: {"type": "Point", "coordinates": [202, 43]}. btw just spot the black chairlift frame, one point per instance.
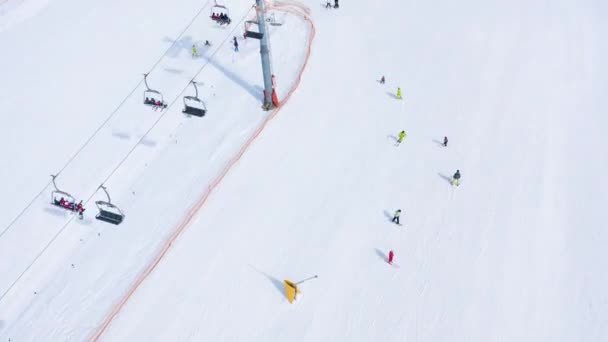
{"type": "Point", "coordinates": [116, 216]}
{"type": "Point", "coordinates": [150, 94]}
{"type": "Point", "coordinates": [193, 110]}
{"type": "Point", "coordinates": [252, 34]}
{"type": "Point", "coordinates": [55, 194]}
{"type": "Point", "coordinates": [220, 9]}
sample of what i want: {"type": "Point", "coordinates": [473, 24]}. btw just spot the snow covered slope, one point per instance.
{"type": "Point", "coordinates": [513, 254]}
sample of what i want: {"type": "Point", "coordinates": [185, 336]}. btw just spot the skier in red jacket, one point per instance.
{"type": "Point", "coordinates": [391, 255]}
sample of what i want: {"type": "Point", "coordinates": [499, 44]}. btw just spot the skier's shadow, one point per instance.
{"type": "Point", "coordinates": [381, 255]}
{"type": "Point", "coordinates": [390, 136]}
{"type": "Point", "coordinates": [388, 216]}
{"type": "Point", "coordinates": [275, 282]}
{"type": "Point", "coordinates": [440, 143]}
{"type": "Point", "coordinates": [446, 178]}
{"type": "Point", "coordinates": [391, 94]}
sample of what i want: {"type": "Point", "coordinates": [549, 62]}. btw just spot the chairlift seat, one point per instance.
{"type": "Point", "coordinates": [109, 213]}
{"type": "Point", "coordinates": [56, 196]}
{"type": "Point", "coordinates": [194, 106]}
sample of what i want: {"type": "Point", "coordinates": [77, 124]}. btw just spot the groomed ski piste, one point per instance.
{"type": "Point", "coordinates": [221, 209]}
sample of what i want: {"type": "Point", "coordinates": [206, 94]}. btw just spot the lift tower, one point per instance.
{"type": "Point", "coordinates": [270, 96]}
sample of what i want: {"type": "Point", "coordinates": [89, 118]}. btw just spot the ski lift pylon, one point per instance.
{"type": "Point", "coordinates": [193, 105]}
{"type": "Point", "coordinates": [153, 97]}
{"type": "Point", "coordinates": [108, 212]}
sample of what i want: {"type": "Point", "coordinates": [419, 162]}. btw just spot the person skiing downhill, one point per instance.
{"type": "Point", "coordinates": [445, 141]}
{"type": "Point", "coordinates": [402, 135]}
{"type": "Point", "coordinates": [194, 51]}
{"type": "Point", "coordinates": [399, 93]}
{"type": "Point", "coordinates": [396, 217]}
{"type": "Point", "coordinates": [236, 45]}
{"type": "Point", "coordinates": [391, 256]}
{"type": "Point", "coordinates": [456, 178]}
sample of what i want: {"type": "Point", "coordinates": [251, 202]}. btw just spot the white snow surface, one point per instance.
{"type": "Point", "coordinates": [245, 199]}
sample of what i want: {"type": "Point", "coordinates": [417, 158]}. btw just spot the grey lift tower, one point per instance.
{"type": "Point", "coordinates": [270, 97]}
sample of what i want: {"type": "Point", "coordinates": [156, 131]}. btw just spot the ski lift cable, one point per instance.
{"type": "Point", "coordinates": [118, 165]}
{"type": "Point", "coordinates": [100, 127]}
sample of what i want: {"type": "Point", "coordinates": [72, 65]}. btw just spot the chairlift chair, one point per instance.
{"type": "Point", "coordinates": [151, 96]}
{"type": "Point", "coordinates": [250, 32]}
{"type": "Point", "coordinates": [108, 212]}
{"type": "Point", "coordinates": [217, 10]}
{"type": "Point", "coordinates": [193, 105]}
{"type": "Point", "coordinates": [57, 195]}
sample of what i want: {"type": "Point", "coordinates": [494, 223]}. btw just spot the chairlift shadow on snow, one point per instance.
{"type": "Point", "coordinates": [275, 282]}
{"type": "Point", "coordinates": [121, 135]}
{"type": "Point", "coordinates": [381, 255]}
{"type": "Point", "coordinates": [126, 136]}
{"type": "Point", "coordinates": [173, 71]}
{"type": "Point", "coordinates": [148, 142]}
{"type": "Point", "coordinates": [446, 178]}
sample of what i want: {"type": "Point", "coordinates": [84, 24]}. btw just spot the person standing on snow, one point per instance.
{"type": "Point", "coordinates": [382, 80]}
{"type": "Point", "coordinates": [236, 45]}
{"type": "Point", "coordinates": [336, 4]}
{"type": "Point", "coordinates": [445, 141]}
{"type": "Point", "coordinates": [456, 178]}
{"type": "Point", "coordinates": [327, 4]}
{"type": "Point", "coordinates": [399, 93]}
{"type": "Point", "coordinates": [194, 51]}
{"type": "Point", "coordinates": [396, 216]}
{"type": "Point", "coordinates": [391, 256]}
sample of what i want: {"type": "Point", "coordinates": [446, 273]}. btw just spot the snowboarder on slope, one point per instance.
{"type": "Point", "coordinates": [445, 141]}
{"type": "Point", "coordinates": [399, 93]}
{"type": "Point", "coordinates": [396, 216]}
{"type": "Point", "coordinates": [402, 135]}
{"type": "Point", "coordinates": [456, 178]}
{"type": "Point", "coordinates": [391, 255]}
